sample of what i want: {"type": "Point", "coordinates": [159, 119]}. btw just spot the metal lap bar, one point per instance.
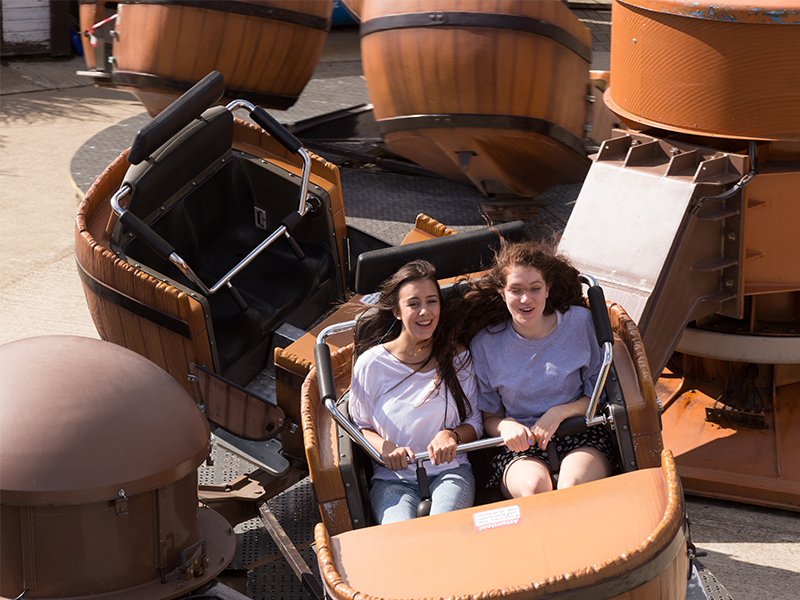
{"type": "Point", "coordinates": [175, 259]}
{"type": "Point", "coordinates": [356, 435]}
{"type": "Point", "coordinates": [608, 356]}
{"type": "Point", "coordinates": [303, 206]}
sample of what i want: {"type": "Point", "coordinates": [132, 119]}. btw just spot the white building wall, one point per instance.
{"type": "Point", "coordinates": [26, 24]}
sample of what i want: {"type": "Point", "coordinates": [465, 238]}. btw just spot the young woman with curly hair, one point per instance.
{"type": "Point", "coordinates": [537, 359]}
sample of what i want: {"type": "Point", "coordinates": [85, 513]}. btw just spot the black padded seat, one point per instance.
{"type": "Point", "coordinates": [212, 227]}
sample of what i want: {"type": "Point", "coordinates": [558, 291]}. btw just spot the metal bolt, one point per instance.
{"type": "Point", "coordinates": [192, 377]}
{"type": "Point", "coordinates": [636, 142]}
{"type": "Point", "coordinates": [634, 40]}
{"type": "Point", "coordinates": [731, 236]}
{"type": "Point", "coordinates": [121, 493]}
{"type": "Point", "coordinates": [674, 151]}
{"type": "Point", "coordinates": [355, 521]}
{"type": "Point", "coordinates": [727, 283]}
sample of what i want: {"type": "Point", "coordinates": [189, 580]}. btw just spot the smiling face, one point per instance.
{"type": "Point", "coordinates": [525, 295]}
{"type": "Point", "coordinates": [418, 309]}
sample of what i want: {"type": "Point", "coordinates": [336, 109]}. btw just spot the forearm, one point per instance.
{"type": "Point", "coordinates": [464, 433]}
{"type": "Point", "coordinates": [375, 440]}
{"type": "Point", "coordinates": [576, 408]}
{"type": "Point", "coordinates": [491, 423]}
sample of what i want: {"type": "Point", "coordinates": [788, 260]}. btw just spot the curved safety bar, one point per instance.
{"type": "Point", "coordinates": [158, 244]}
{"type": "Point", "coordinates": [285, 139]}
{"type": "Point", "coordinates": [176, 116]}
{"type": "Point", "coordinates": [605, 337]}
{"type": "Point", "coordinates": [328, 395]}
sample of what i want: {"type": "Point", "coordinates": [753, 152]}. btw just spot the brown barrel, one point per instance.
{"type": "Point", "coordinates": [100, 450]}
{"type": "Point", "coordinates": [710, 68]}
{"type": "Point", "coordinates": [482, 91]}
{"type": "Point", "coordinates": [267, 50]}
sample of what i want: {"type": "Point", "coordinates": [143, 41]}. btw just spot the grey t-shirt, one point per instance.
{"type": "Point", "coordinates": [527, 377]}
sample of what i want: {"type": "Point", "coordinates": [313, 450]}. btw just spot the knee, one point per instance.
{"type": "Point", "coordinates": [567, 480]}
{"type": "Point", "coordinates": [529, 486]}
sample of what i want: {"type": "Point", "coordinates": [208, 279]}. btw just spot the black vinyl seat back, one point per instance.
{"type": "Point", "coordinates": [215, 205]}
{"type": "Point", "coordinates": [452, 255]}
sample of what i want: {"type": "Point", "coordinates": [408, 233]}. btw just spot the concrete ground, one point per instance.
{"type": "Point", "coordinates": [48, 115]}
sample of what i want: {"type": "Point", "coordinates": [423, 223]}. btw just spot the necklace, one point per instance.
{"type": "Point", "coordinates": [409, 363]}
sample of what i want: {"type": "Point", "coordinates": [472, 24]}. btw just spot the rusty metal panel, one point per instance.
{"type": "Point", "coordinates": [645, 227]}
{"type": "Point", "coordinates": [707, 67]}
{"type": "Point", "coordinates": [771, 239]}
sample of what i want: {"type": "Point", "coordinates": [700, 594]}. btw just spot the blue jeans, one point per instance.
{"type": "Point", "coordinates": [396, 499]}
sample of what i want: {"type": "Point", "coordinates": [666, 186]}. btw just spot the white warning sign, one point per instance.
{"type": "Point", "coordinates": [498, 517]}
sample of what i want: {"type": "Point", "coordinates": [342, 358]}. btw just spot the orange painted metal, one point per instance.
{"type": "Point", "coordinates": [709, 68]}
{"type": "Point", "coordinates": [100, 450]}
{"type": "Point", "coordinates": [552, 545]}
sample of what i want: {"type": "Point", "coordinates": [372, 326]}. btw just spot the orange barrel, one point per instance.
{"type": "Point", "coordinates": [100, 449]}
{"type": "Point", "coordinates": [705, 67]}
{"type": "Point", "coordinates": [481, 91]}
{"type": "Point", "coordinates": [267, 50]}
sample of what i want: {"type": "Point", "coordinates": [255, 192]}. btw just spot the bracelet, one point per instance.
{"type": "Point", "coordinates": [458, 437]}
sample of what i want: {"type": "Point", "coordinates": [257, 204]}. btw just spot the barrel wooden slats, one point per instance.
{"type": "Point", "coordinates": [171, 351]}
{"type": "Point", "coordinates": [464, 73]}
{"type": "Point", "coordinates": [468, 72]}
{"type": "Point", "coordinates": [90, 13]}
{"type": "Point", "coordinates": [184, 43]}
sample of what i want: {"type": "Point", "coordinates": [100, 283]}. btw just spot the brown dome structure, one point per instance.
{"type": "Point", "coordinates": [99, 450]}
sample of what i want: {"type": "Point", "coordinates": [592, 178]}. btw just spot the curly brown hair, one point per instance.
{"type": "Point", "coordinates": [379, 324]}
{"type": "Point", "coordinates": [477, 304]}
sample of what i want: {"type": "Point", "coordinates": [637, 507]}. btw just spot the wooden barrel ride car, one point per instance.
{"type": "Point", "coordinates": [481, 92]}
{"type": "Point", "coordinates": [90, 13]}
{"type": "Point", "coordinates": [575, 543]}
{"type": "Point", "coordinates": [265, 49]}
{"type": "Point", "coordinates": [708, 68]}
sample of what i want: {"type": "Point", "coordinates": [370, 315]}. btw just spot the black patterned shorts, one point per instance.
{"type": "Point", "coordinates": [593, 437]}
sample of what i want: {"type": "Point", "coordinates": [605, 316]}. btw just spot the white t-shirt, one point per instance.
{"type": "Point", "coordinates": [401, 406]}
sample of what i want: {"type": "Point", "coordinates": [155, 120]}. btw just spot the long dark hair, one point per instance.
{"type": "Point", "coordinates": [378, 325]}
{"type": "Point", "coordinates": [477, 304]}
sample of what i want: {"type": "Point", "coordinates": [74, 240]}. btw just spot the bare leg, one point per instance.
{"type": "Point", "coordinates": [526, 477]}
{"type": "Point", "coordinates": [582, 465]}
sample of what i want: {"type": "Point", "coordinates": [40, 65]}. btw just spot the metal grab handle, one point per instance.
{"type": "Point", "coordinates": [159, 245]}
{"type": "Point", "coordinates": [283, 137]}
{"type": "Point", "coordinates": [606, 339]}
